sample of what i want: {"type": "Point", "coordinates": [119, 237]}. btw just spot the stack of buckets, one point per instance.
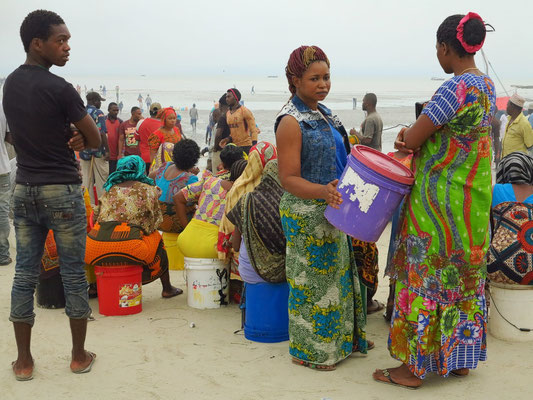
{"type": "Point", "coordinates": [372, 187]}
{"type": "Point", "coordinates": [119, 289]}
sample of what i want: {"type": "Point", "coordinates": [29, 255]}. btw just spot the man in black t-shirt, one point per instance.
{"type": "Point", "coordinates": [40, 108]}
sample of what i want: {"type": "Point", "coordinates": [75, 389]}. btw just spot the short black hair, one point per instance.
{"type": "Point", "coordinates": [134, 108]}
{"type": "Point", "coordinates": [185, 154]}
{"type": "Point", "coordinates": [111, 105]}
{"type": "Point", "coordinates": [229, 155]}
{"type": "Point", "coordinates": [237, 169]}
{"type": "Point", "coordinates": [474, 33]}
{"type": "Point", "coordinates": [372, 98]}
{"type": "Point", "coordinates": [38, 24]}
{"type": "Point", "coordinates": [222, 100]}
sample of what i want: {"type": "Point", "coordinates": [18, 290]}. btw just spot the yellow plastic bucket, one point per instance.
{"type": "Point", "coordinates": [175, 258]}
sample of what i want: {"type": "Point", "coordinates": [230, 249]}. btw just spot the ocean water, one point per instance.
{"type": "Point", "coordinates": [270, 92]}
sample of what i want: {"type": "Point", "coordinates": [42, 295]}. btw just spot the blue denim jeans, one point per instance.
{"type": "Point", "coordinates": [37, 209]}
{"type": "Point", "coordinates": [5, 196]}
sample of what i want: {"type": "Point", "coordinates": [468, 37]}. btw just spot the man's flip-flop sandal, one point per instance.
{"type": "Point", "coordinates": [88, 367]}
{"type": "Point", "coordinates": [22, 377]}
{"type": "Point", "coordinates": [389, 381]}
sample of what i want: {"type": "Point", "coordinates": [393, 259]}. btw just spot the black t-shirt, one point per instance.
{"type": "Point", "coordinates": [39, 108]}
{"type": "Point", "coordinates": [223, 124]}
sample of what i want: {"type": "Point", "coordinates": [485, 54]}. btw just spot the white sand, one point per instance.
{"type": "Point", "coordinates": [156, 355]}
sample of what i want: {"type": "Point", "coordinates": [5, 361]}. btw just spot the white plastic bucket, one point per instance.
{"type": "Point", "coordinates": [513, 303]}
{"type": "Point", "coordinates": [207, 282]}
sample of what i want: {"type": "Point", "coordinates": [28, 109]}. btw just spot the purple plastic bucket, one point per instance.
{"type": "Point", "coordinates": [369, 198]}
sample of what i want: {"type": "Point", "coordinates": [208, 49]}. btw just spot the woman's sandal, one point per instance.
{"type": "Point", "coordinates": [371, 345]}
{"type": "Point", "coordinates": [318, 367]}
{"type": "Point", "coordinates": [460, 373]}
{"type": "Point", "coordinates": [389, 381]}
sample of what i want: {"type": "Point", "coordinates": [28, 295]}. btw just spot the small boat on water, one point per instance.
{"type": "Point", "coordinates": [435, 78]}
{"type": "Point", "coordinates": [522, 86]}
{"type": "Point", "coordinates": [272, 76]}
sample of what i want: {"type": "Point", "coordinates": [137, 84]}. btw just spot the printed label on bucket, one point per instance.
{"type": "Point", "coordinates": [130, 295]}
{"type": "Point", "coordinates": [358, 189]}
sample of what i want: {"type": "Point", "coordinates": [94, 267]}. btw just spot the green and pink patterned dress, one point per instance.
{"type": "Point", "coordinates": [440, 315]}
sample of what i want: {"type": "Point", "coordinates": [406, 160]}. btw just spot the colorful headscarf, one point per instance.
{"type": "Point", "coordinates": [130, 168]}
{"type": "Point", "coordinates": [165, 113]}
{"type": "Point", "coordinates": [300, 59]}
{"type": "Point", "coordinates": [258, 156]}
{"type": "Point", "coordinates": [516, 168]}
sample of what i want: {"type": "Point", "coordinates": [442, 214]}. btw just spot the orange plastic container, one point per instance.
{"type": "Point", "coordinates": [119, 289]}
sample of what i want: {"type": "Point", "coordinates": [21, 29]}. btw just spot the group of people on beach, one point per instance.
{"type": "Point", "coordinates": [264, 204]}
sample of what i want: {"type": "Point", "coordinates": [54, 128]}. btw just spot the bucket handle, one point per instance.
{"type": "Point", "coordinates": [505, 319]}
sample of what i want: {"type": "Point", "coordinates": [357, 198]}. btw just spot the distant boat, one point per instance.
{"type": "Point", "coordinates": [435, 78]}
{"type": "Point", "coordinates": [143, 75]}
{"type": "Point", "coordinates": [522, 86]}
{"type": "Point", "coordinates": [272, 76]}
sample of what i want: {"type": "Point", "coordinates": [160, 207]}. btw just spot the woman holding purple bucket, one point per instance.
{"type": "Point", "coordinates": [326, 313]}
{"type": "Point", "coordinates": [440, 314]}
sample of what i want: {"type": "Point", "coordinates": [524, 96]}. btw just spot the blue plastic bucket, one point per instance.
{"type": "Point", "coordinates": [266, 315]}
{"type": "Point", "coordinates": [372, 186]}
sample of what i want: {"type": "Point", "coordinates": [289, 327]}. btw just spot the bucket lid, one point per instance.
{"type": "Point", "coordinates": [383, 164]}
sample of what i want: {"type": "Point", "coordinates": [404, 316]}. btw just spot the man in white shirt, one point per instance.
{"type": "Point", "coordinates": [5, 189]}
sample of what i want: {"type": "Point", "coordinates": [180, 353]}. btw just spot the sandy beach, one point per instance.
{"type": "Point", "coordinates": [157, 355]}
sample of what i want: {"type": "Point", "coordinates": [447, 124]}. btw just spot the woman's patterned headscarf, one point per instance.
{"type": "Point", "coordinates": [517, 168]}
{"type": "Point", "coordinates": [165, 113]}
{"type": "Point", "coordinates": [130, 168]}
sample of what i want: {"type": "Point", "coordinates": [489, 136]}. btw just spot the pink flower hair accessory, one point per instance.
{"type": "Point", "coordinates": [460, 32]}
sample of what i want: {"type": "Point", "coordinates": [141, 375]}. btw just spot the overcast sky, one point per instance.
{"type": "Point", "coordinates": [169, 37]}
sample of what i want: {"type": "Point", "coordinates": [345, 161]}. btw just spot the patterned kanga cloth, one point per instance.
{"type": "Point", "coordinates": [439, 320]}
{"type": "Point", "coordinates": [510, 258]}
{"type": "Point", "coordinates": [324, 290]}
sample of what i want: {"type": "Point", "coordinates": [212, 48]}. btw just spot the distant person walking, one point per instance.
{"type": "Point", "coordinates": [193, 113]}
{"type": "Point", "coordinates": [241, 122]}
{"type": "Point", "coordinates": [40, 107]}
{"type": "Point", "coordinates": [94, 165]}
{"type": "Point", "coordinates": [120, 107]}
{"type": "Point", "coordinates": [148, 101]}
{"type": "Point", "coordinates": [140, 100]}
{"type": "Point", "coordinates": [112, 123]}
{"type": "Point", "coordinates": [372, 126]}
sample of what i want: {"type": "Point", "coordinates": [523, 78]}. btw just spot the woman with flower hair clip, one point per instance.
{"type": "Point", "coordinates": [440, 316]}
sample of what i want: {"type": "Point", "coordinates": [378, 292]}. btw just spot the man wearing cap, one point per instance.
{"type": "Point", "coordinates": [518, 132]}
{"type": "Point", "coordinates": [145, 128]}
{"type": "Point", "coordinates": [94, 164]}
